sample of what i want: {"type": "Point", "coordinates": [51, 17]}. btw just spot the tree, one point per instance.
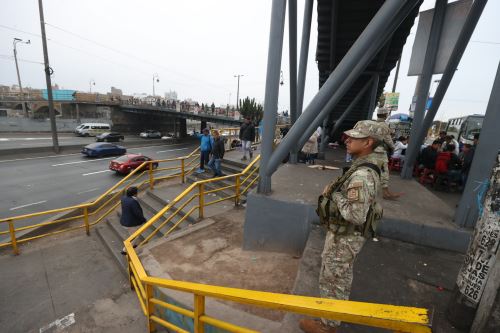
{"type": "Point", "coordinates": [213, 108]}
{"type": "Point", "coordinates": [252, 109]}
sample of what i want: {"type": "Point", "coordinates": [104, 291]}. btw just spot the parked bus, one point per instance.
{"type": "Point", "coordinates": [464, 128]}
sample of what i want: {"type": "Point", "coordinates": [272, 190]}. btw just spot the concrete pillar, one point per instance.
{"type": "Point", "coordinates": [484, 158]}
{"type": "Point", "coordinates": [203, 125]}
{"type": "Point", "coordinates": [182, 128]}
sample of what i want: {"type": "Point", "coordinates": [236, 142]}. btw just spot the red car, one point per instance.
{"type": "Point", "coordinates": [126, 163]}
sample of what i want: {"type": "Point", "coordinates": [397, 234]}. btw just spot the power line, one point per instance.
{"type": "Point", "coordinates": [19, 30]}
{"type": "Point", "coordinates": [132, 56]}
{"type": "Point", "coordinates": [9, 57]}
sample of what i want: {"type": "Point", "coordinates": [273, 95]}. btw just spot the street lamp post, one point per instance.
{"type": "Point", "coordinates": [18, 40]}
{"type": "Point", "coordinates": [238, 91]}
{"type": "Point", "coordinates": [91, 83]}
{"type": "Point", "coordinates": [157, 78]}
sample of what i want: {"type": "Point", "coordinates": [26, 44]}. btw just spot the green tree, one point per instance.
{"type": "Point", "coordinates": [252, 109]}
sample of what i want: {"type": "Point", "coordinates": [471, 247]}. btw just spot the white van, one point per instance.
{"type": "Point", "coordinates": [92, 129]}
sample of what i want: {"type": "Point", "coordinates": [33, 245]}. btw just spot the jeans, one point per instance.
{"type": "Point", "coordinates": [214, 164]}
{"type": "Point", "coordinates": [246, 146]}
{"type": "Point", "coordinates": [204, 157]}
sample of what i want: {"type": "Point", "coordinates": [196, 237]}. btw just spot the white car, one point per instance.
{"type": "Point", "coordinates": [150, 134]}
{"type": "Point", "coordinates": [169, 137]}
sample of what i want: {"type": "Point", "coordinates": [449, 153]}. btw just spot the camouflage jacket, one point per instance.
{"type": "Point", "coordinates": [359, 192]}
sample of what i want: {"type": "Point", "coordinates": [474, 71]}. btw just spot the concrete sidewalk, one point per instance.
{"type": "Point", "coordinates": [61, 277]}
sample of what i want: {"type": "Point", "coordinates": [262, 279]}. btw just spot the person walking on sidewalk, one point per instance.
{"type": "Point", "coordinates": [206, 144]}
{"type": "Point", "coordinates": [217, 154]}
{"type": "Point", "coordinates": [349, 209]}
{"type": "Point", "coordinates": [247, 137]}
{"type": "Point", "coordinates": [132, 216]}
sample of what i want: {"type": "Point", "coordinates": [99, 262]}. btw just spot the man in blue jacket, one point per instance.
{"type": "Point", "coordinates": [206, 144]}
{"type": "Point", "coordinates": [132, 216]}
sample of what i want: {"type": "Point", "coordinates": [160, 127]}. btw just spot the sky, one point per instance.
{"type": "Point", "coordinates": [196, 47]}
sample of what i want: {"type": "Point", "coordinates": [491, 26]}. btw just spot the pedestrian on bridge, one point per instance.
{"type": "Point", "coordinates": [349, 210]}
{"type": "Point", "coordinates": [247, 137]}
{"type": "Point", "coordinates": [132, 216]}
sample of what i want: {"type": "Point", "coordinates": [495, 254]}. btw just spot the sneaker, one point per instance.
{"type": "Point", "coordinates": [200, 170]}
{"type": "Point", "coordinates": [244, 158]}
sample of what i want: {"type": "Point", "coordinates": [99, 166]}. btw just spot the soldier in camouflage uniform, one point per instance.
{"type": "Point", "coordinates": [347, 206]}
{"type": "Point", "coordinates": [382, 152]}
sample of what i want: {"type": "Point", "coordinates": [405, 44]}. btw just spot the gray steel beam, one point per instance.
{"type": "Point", "coordinates": [425, 82]}
{"type": "Point", "coordinates": [383, 24]}
{"type": "Point", "coordinates": [484, 159]}
{"type": "Point", "coordinates": [455, 57]}
{"type": "Point", "coordinates": [292, 54]}
{"type": "Point", "coordinates": [304, 53]}
{"type": "Point", "coordinates": [375, 46]}
{"type": "Point", "coordinates": [276, 33]}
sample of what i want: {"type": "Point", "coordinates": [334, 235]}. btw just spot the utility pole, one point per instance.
{"type": "Point", "coordinates": [18, 40]}
{"type": "Point", "coordinates": [91, 83]}
{"type": "Point", "coordinates": [238, 92]}
{"type": "Point", "coordinates": [48, 72]}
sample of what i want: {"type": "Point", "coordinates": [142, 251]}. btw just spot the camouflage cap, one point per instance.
{"type": "Point", "coordinates": [367, 128]}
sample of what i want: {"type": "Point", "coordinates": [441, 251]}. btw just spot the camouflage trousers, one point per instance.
{"type": "Point", "coordinates": [383, 164]}
{"type": "Point", "coordinates": [335, 278]}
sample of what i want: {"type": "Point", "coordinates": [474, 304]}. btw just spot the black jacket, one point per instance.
{"type": "Point", "coordinates": [428, 157]}
{"type": "Point", "coordinates": [132, 215]}
{"type": "Point", "coordinates": [247, 132]}
{"type": "Point", "coordinates": [218, 148]}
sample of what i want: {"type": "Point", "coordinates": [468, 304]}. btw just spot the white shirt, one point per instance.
{"type": "Point", "coordinates": [398, 149]}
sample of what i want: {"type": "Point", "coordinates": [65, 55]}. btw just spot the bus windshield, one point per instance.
{"type": "Point", "coordinates": [473, 126]}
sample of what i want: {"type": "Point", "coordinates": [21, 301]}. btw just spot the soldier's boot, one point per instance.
{"type": "Point", "coordinates": [315, 326]}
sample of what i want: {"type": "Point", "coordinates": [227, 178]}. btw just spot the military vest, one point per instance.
{"type": "Point", "coordinates": [329, 213]}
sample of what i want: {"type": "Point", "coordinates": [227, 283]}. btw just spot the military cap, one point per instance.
{"type": "Point", "coordinates": [367, 128]}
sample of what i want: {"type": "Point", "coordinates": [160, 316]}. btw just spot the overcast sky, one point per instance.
{"type": "Point", "coordinates": [196, 47]}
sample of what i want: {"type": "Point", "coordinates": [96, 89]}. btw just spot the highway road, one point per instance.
{"type": "Point", "coordinates": [30, 140]}
{"type": "Point", "coordinates": [32, 184]}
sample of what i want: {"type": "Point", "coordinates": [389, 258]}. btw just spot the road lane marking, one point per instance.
{"type": "Point", "coordinates": [37, 158]}
{"type": "Point", "coordinates": [91, 190]}
{"type": "Point", "coordinates": [27, 205]}
{"type": "Point", "coordinates": [164, 151]}
{"type": "Point", "coordinates": [78, 162]}
{"type": "Point", "coordinates": [59, 325]}
{"type": "Point", "coordinates": [93, 173]}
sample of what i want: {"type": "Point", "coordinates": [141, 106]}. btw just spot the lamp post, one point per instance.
{"type": "Point", "coordinates": [238, 91]}
{"type": "Point", "coordinates": [91, 83]}
{"type": "Point", "coordinates": [157, 78]}
{"type": "Point", "coordinates": [21, 96]}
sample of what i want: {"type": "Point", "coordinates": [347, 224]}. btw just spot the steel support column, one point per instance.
{"type": "Point", "coordinates": [277, 28]}
{"type": "Point", "coordinates": [292, 54]}
{"type": "Point", "coordinates": [304, 53]}
{"type": "Point", "coordinates": [425, 82]}
{"type": "Point", "coordinates": [455, 57]}
{"type": "Point", "coordinates": [380, 28]}
{"type": "Point", "coordinates": [484, 159]}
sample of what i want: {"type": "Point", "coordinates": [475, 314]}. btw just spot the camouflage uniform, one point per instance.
{"type": "Point", "coordinates": [353, 201]}
{"type": "Point", "coordinates": [381, 152]}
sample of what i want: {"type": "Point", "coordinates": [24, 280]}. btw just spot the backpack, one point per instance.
{"type": "Point", "coordinates": [442, 162]}
{"type": "Point", "coordinates": [329, 213]}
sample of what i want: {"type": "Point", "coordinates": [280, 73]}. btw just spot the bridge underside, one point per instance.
{"type": "Point", "coordinates": [340, 22]}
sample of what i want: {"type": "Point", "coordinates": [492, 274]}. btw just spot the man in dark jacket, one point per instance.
{"type": "Point", "coordinates": [217, 154]}
{"type": "Point", "coordinates": [427, 158]}
{"type": "Point", "coordinates": [132, 216]}
{"type": "Point", "coordinates": [247, 137]}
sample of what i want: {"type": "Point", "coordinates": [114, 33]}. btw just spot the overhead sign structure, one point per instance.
{"type": "Point", "coordinates": [454, 19]}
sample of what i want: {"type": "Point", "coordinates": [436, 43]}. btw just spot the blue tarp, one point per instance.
{"type": "Point", "coordinates": [60, 95]}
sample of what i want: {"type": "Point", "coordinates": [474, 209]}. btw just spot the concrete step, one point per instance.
{"type": "Point", "coordinates": [235, 163]}
{"type": "Point", "coordinates": [114, 244]}
{"type": "Point", "coordinates": [153, 206]}
{"type": "Point", "coordinates": [213, 186]}
{"type": "Point", "coordinates": [148, 231]}
{"type": "Point", "coordinates": [162, 202]}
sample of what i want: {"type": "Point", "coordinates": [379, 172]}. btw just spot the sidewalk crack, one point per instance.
{"type": "Point", "coordinates": [48, 284]}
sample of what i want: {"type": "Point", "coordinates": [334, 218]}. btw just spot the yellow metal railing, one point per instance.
{"type": "Point", "coordinates": [395, 318]}
{"type": "Point", "coordinates": [91, 213]}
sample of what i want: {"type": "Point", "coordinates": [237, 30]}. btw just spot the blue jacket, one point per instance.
{"type": "Point", "coordinates": [206, 142]}
{"type": "Point", "coordinates": [132, 215]}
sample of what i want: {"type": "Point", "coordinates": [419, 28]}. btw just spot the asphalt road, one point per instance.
{"type": "Point", "coordinates": [31, 140]}
{"type": "Point", "coordinates": [33, 184]}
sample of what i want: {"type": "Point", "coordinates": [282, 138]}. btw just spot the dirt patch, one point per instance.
{"type": "Point", "coordinates": [214, 256]}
